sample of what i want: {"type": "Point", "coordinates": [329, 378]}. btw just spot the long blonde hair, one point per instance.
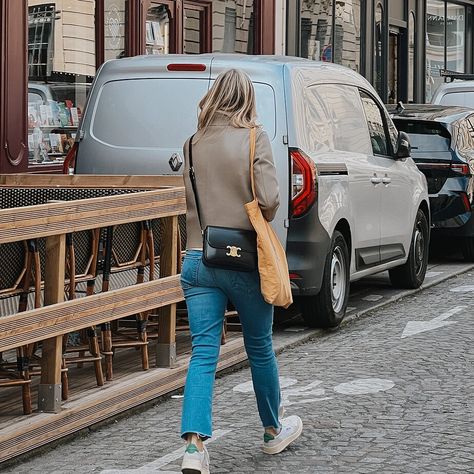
{"type": "Point", "coordinates": [232, 95]}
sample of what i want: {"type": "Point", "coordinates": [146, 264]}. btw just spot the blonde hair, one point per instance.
{"type": "Point", "coordinates": [232, 95]}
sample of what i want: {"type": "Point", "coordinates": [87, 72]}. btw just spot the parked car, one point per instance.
{"type": "Point", "coordinates": [442, 143]}
{"type": "Point", "coordinates": [356, 202]}
{"type": "Point", "coordinates": [460, 93]}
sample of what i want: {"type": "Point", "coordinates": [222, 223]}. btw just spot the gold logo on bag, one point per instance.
{"type": "Point", "coordinates": [233, 251]}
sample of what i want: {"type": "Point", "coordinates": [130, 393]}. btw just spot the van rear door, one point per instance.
{"type": "Point", "coordinates": [271, 114]}
{"type": "Point", "coordinates": [137, 122]}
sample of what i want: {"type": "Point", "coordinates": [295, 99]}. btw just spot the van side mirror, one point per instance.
{"type": "Point", "coordinates": [403, 146]}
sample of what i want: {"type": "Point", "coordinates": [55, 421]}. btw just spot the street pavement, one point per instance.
{"type": "Point", "coordinates": [391, 392]}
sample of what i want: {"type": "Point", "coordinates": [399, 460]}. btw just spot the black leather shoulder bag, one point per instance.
{"type": "Point", "coordinates": [224, 247]}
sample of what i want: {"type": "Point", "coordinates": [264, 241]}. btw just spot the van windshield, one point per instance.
{"type": "Point", "coordinates": [160, 113]}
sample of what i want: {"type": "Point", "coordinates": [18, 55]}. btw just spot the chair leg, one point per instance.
{"type": "Point", "coordinates": [224, 332]}
{"type": "Point", "coordinates": [142, 337]}
{"type": "Point", "coordinates": [95, 351]}
{"type": "Point", "coordinates": [64, 381]}
{"type": "Point", "coordinates": [107, 350]}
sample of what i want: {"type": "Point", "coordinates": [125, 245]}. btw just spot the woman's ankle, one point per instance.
{"type": "Point", "coordinates": [194, 438]}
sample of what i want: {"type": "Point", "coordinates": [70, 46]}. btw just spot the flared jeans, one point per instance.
{"type": "Point", "coordinates": [207, 292]}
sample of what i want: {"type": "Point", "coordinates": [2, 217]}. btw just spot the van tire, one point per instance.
{"type": "Point", "coordinates": [467, 247]}
{"type": "Point", "coordinates": [412, 274]}
{"type": "Point", "coordinates": [319, 311]}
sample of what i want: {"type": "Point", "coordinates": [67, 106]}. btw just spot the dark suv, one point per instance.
{"type": "Point", "coordinates": [442, 142]}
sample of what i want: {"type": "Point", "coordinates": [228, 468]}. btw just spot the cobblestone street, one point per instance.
{"type": "Point", "coordinates": [389, 393]}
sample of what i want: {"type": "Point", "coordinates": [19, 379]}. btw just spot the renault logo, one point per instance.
{"type": "Point", "coordinates": [175, 162]}
{"type": "Point", "coordinates": [233, 251]}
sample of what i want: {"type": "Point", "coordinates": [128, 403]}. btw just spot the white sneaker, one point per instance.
{"type": "Point", "coordinates": [291, 428]}
{"type": "Point", "coordinates": [195, 461]}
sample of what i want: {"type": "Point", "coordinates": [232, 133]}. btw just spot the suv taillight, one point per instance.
{"type": "Point", "coordinates": [303, 182]}
{"type": "Point", "coordinates": [461, 168]}
{"type": "Point", "coordinates": [70, 160]}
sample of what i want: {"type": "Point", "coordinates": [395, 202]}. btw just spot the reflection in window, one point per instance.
{"type": "Point", "coordinates": [157, 29]}
{"type": "Point", "coordinates": [316, 30]}
{"type": "Point", "coordinates": [114, 29]}
{"type": "Point", "coordinates": [233, 26]}
{"type": "Point", "coordinates": [347, 34]}
{"type": "Point", "coordinates": [378, 49]}
{"type": "Point", "coordinates": [435, 42]}
{"type": "Point", "coordinates": [376, 126]}
{"type": "Point", "coordinates": [411, 57]}
{"type": "Point", "coordinates": [61, 66]}
{"type": "Point", "coordinates": [455, 33]}
{"type": "Point", "coordinates": [193, 21]}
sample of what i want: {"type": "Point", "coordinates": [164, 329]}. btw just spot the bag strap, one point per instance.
{"type": "Point", "coordinates": [192, 177]}
{"type": "Point", "coordinates": [253, 139]}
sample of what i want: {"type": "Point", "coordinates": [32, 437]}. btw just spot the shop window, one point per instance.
{"type": "Point", "coordinates": [114, 29]}
{"type": "Point", "coordinates": [158, 28]}
{"type": "Point", "coordinates": [435, 45]}
{"type": "Point", "coordinates": [316, 30]}
{"type": "Point", "coordinates": [379, 40]}
{"type": "Point", "coordinates": [411, 57]}
{"type": "Point", "coordinates": [61, 66]}
{"type": "Point", "coordinates": [347, 34]}
{"type": "Point", "coordinates": [455, 34]}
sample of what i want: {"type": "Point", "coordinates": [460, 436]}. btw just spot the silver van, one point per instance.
{"type": "Point", "coordinates": [353, 202]}
{"type": "Point", "coordinates": [459, 93]}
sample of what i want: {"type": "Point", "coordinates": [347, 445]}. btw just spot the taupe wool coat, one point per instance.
{"type": "Point", "coordinates": [221, 166]}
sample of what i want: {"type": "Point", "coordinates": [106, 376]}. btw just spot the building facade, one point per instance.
{"type": "Point", "coordinates": [51, 50]}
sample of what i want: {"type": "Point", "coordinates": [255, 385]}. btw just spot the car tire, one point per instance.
{"type": "Point", "coordinates": [467, 247]}
{"type": "Point", "coordinates": [412, 274]}
{"type": "Point", "coordinates": [328, 308]}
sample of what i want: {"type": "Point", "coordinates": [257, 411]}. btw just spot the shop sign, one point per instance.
{"type": "Point", "coordinates": [113, 26]}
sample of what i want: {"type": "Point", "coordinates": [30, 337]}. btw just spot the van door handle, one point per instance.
{"type": "Point", "coordinates": [386, 180]}
{"type": "Point", "coordinates": [375, 180]}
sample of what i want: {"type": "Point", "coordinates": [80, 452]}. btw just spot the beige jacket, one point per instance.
{"type": "Point", "coordinates": [221, 165]}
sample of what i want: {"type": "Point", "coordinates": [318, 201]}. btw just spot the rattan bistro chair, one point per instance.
{"type": "Point", "coordinates": [126, 247]}
{"type": "Point", "coordinates": [16, 271]}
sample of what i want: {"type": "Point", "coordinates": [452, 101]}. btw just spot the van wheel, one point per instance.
{"type": "Point", "coordinates": [328, 307]}
{"type": "Point", "coordinates": [412, 274]}
{"type": "Point", "coordinates": [468, 249]}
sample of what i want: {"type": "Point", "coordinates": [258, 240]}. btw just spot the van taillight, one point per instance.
{"type": "Point", "coordinates": [69, 162]}
{"type": "Point", "coordinates": [303, 183]}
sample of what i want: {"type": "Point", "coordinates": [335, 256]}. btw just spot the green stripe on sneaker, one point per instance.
{"type": "Point", "coordinates": [268, 437]}
{"type": "Point", "coordinates": [192, 448]}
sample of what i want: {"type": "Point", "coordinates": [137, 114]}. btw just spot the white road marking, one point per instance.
{"type": "Point", "coordinates": [295, 329]}
{"type": "Point", "coordinates": [298, 393]}
{"type": "Point", "coordinates": [364, 386]}
{"type": "Point", "coordinates": [155, 466]}
{"type": "Point", "coordinates": [247, 387]}
{"type": "Point", "coordinates": [433, 274]}
{"type": "Point", "coordinates": [462, 289]}
{"type": "Point", "coordinates": [372, 298]}
{"type": "Point", "coordinates": [177, 397]}
{"type": "Point", "coordinates": [417, 327]}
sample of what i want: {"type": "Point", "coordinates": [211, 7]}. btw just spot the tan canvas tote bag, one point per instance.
{"type": "Point", "coordinates": [272, 264]}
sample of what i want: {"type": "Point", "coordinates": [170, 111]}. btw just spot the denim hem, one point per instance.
{"type": "Point", "coordinates": [202, 436]}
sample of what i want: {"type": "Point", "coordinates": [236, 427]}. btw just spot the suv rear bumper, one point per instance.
{"type": "Point", "coordinates": [463, 227]}
{"type": "Point", "coordinates": [307, 246]}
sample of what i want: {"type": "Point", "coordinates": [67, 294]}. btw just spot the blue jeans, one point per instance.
{"type": "Point", "coordinates": [207, 291]}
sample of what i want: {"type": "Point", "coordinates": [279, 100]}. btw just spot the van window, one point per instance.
{"type": "Point", "coordinates": [463, 99]}
{"type": "Point", "coordinates": [159, 113]}
{"type": "Point", "coordinates": [378, 136]}
{"type": "Point", "coordinates": [335, 119]}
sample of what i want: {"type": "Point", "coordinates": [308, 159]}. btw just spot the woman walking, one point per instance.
{"type": "Point", "coordinates": [217, 181]}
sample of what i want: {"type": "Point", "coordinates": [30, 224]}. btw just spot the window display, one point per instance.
{"type": "Point", "coordinates": [157, 29]}
{"type": "Point", "coordinates": [61, 66]}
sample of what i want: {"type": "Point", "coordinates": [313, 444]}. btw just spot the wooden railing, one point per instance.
{"type": "Point", "coordinates": [157, 197]}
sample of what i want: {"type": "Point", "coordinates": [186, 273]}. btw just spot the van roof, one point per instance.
{"type": "Point", "coordinates": [430, 112]}
{"type": "Point", "coordinates": [320, 71]}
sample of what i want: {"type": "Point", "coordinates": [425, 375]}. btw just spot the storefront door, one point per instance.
{"type": "Point", "coordinates": [394, 67]}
